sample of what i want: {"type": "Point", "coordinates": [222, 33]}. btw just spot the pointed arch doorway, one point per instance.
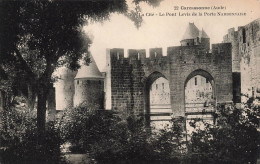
{"type": "Point", "coordinates": [158, 104]}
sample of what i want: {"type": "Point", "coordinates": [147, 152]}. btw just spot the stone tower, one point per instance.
{"type": "Point", "coordinates": [193, 36]}
{"type": "Point", "coordinates": [64, 88]}
{"type": "Point", "coordinates": [246, 58]}
{"type": "Point", "coordinates": [89, 85]}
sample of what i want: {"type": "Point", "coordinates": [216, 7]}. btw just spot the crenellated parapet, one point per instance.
{"type": "Point", "coordinates": [136, 54]}
{"type": "Point", "coordinates": [136, 58]}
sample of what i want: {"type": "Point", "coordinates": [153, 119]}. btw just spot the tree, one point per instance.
{"type": "Point", "coordinates": [38, 36]}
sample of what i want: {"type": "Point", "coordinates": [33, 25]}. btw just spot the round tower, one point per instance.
{"type": "Point", "coordinates": [89, 85]}
{"type": "Point", "coordinates": [64, 88]}
{"type": "Point", "coordinates": [193, 36]}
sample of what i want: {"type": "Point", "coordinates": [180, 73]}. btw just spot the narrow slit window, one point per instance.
{"type": "Point", "coordinates": [244, 35]}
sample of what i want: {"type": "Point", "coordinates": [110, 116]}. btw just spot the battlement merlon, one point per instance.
{"type": "Point", "coordinates": [136, 54]}
{"type": "Point", "coordinates": [155, 53]}
{"type": "Point", "coordinates": [115, 53]}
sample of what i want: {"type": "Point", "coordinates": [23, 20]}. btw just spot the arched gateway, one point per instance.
{"type": "Point", "coordinates": [157, 99]}
{"type": "Point", "coordinates": [199, 92]}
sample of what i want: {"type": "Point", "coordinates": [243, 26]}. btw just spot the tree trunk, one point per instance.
{"type": "Point", "coordinates": [31, 97]}
{"type": "Point", "coordinates": [1, 108]}
{"type": "Point", "coordinates": [51, 104]}
{"type": "Point", "coordinates": [41, 112]}
{"type": "Point", "coordinates": [43, 88]}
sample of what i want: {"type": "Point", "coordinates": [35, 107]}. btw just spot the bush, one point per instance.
{"type": "Point", "coordinates": [90, 130]}
{"type": "Point", "coordinates": [110, 138]}
{"type": "Point", "coordinates": [75, 126]}
{"type": "Point", "coordinates": [19, 138]}
{"type": "Point", "coordinates": [233, 139]}
{"type": "Point", "coordinates": [170, 143]}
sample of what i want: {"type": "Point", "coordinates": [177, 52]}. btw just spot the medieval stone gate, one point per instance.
{"type": "Point", "coordinates": [129, 79]}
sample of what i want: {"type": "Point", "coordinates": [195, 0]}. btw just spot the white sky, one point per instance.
{"type": "Point", "coordinates": [165, 31]}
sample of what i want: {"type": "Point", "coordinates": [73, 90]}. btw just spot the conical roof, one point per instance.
{"type": "Point", "coordinates": [89, 72]}
{"type": "Point", "coordinates": [203, 34]}
{"type": "Point", "coordinates": [191, 32]}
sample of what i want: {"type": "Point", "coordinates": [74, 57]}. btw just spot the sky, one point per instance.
{"type": "Point", "coordinates": [164, 31]}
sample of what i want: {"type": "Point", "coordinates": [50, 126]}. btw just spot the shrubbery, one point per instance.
{"type": "Point", "coordinates": [233, 139]}
{"type": "Point", "coordinates": [108, 137]}
{"type": "Point", "coordinates": [19, 142]}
